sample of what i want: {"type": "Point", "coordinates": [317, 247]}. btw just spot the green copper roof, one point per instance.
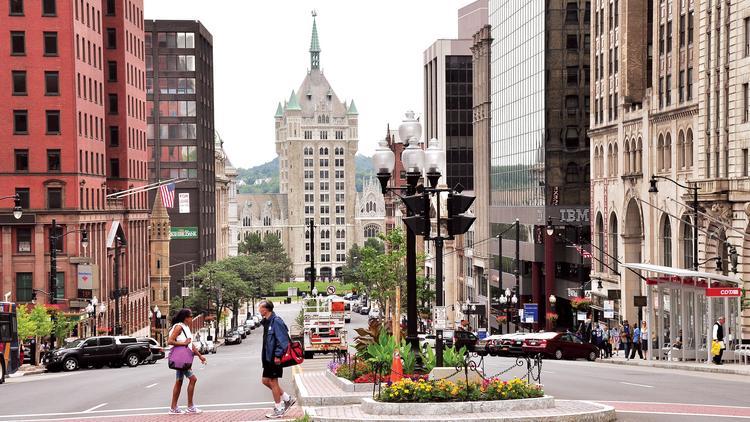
{"type": "Point", "coordinates": [293, 103]}
{"type": "Point", "coordinates": [279, 111]}
{"type": "Point", "coordinates": [314, 46]}
{"type": "Point", "coordinates": [352, 109]}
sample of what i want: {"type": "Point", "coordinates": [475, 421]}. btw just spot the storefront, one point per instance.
{"type": "Point", "coordinates": [681, 308]}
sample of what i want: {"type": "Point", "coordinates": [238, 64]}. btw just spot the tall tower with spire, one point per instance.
{"type": "Point", "coordinates": [316, 140]}
{"type": "Point", "coordinates": [314, 45]}
{"type": "Point", "coordinates": [158, 237]}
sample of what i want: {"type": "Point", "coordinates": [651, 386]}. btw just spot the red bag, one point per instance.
{"type": "Point", "coordinates": [294, 355]}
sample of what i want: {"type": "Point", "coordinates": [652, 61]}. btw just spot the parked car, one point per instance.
{"type": "Point", "coordinates": [469, 340]}
{"type": "Point", "coordinates": [374, 313]}
{"type": "Point", "coordinates": [483, 346]}
{"type": "Point", "coordinates": [250, 324]}
{"type": "Point", "coordinates": [241, 330]}
{"type": "Point", "coordinates": [365, 310]}
{"type": "Point", "coordinates": [356, 306]}
{"type": "Point", "coordinates": [494, 344]}
{"type": "Point", "coordinates": [512, 344]}
{"type": "Point", "coordinates": [426, 341]}
{"type": "Point", "coordinates": [97, 352]}
{"type": "Point", "coordinates": [559, 346]}
{"type": "Point", "coordinates": [233, 337]}
{"type": "Point", "coordinates": [157, 352]}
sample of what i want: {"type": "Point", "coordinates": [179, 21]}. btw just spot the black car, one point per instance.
{"type": "Point", "coordinates": [242, 331]}
{"type": "Point", "coordinates": [466, 339]}
{"type": "Point", "coordinates": [233, 337]}
{"type": "Point", "coordinates": [97, 352]}
{"type": "Point", "coordinates": [157, 352]}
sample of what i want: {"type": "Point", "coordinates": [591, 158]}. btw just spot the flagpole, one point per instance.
{"type": "Point", "coordinates": [129, 192]}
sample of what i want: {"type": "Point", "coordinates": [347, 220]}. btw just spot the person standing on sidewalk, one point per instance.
{"type": "Point", "coordinates": [180, 335]}
{"type": "Point", "coordinates": [626, 336]}
{"type": "Point", "coordinates": [275, 343]}
{"type": "Point", "coordinates": [718, 335]}
{"type": "Point", "coordinates": [644, 339]}
{"type": "Point", "coordinates": [636, 342]}
{"type": "Point", "coordinates": [614, 336]}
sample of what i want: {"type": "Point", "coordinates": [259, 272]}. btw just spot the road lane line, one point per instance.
{"type": "Point", "coordinates": [152, 385]}
{"type": "Point", "coordinates": [680, 414]}
{"type": "Point", "coordinates": [95, 407]}
{"type": "Point", "coordinates": [136, 409]}
{"type": "Point", "coordinates": [637, 385]}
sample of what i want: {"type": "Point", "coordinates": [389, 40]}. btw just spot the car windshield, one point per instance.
{"type": "Point", "coordinates": [72, 344]}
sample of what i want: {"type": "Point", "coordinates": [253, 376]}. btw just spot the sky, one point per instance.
{"type": "Point", "coordinates": [371, 52]}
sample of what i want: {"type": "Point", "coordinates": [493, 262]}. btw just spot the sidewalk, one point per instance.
{"type": "Point", "coordinates": [207, 416]}
{"type": "Point", "coordinates": [726, 368]}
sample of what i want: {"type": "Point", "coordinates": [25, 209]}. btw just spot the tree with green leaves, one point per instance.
{"type": "Point", "coordinates": [252, 243]}
{"type": "Point", "coordinates": [35, 324]}
{"type": "Point", "coordinates": [383, 272]}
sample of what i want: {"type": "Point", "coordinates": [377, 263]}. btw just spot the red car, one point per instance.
{"type": "Point", "coordinates": [559, 346]}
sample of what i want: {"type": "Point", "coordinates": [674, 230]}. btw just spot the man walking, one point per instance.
{"type": "Point", "coordinates": [275, 343]}
{"type": "Point", "coordinates": [636, 343]}
{"type": "Point", "coordinates": [718, 335]}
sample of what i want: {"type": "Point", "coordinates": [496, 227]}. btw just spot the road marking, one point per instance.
{"type": "Point", "coordinates": [138, 409]}
{"type": "Point", "coordinates": [95, 407]}
{"type": "Point", "coordinates": [637, 385]}
{"type": "Point", "coordinates": [680, 414]}
{"type": "Point", "coordinates": [152, 385]}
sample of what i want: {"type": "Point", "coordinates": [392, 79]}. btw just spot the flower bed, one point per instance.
{"type": "Point", "coordinates": [422, 391]}
{"type": "Point", "coordinates": [361, 373]}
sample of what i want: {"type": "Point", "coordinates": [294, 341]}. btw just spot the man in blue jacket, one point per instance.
{"type": "Point", "coordinates": [275, 343]}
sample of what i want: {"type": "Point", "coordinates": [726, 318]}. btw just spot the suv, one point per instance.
{"type": "Point", "coordinates": [465, 338]}
{"type": "Point", "coordinates": [157, 352]}
{"type": "Point", "coordinates": [96, 352]}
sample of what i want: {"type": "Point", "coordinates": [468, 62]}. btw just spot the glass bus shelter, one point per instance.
{"type": "Point", "coordinates": [680, 315]}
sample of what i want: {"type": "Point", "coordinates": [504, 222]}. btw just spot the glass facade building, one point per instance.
{"type": "Point", "coordinates": [458, 121]}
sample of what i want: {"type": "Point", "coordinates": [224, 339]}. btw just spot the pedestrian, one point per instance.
{"type": "Point", "coordinates": [180, 335]}
{"type": "Point", "coordinates": [718, 335]}
{"type": "Point", "coordinates": [636, 342]}
{"type": "Point", "coordinates": [614, 336]}
{"type": "Point", "coordinates": [626, 338]}
{"type": "Point", "coordinates": [275, 343]}
{"type": "Point", "coordinates": [606, 342]}
{"type": "Point", "coordinates": [644, 339]}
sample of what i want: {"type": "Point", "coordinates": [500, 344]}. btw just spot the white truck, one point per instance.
{"type": "Point", "coordinates": [324, 326]}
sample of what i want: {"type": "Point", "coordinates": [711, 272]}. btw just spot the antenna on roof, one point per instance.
{"type": "Point", "coordinates": [314, 13]}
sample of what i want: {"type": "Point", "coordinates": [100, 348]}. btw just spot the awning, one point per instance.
{"type": "Point", "coordinates": [680, 272]}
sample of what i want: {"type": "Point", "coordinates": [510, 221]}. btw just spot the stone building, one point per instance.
{"type": "Point", "coordinates": [672, 77]}
{"type": "Point", "coordinates": [226, 203]}
{"type": "Point", "coordinates": [370, 214]}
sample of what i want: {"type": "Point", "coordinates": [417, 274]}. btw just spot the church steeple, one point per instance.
{"type": "Point", "coordinates": [314, 45]}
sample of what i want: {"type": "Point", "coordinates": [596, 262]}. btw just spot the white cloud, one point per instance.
{"type": "Point", "coordinates": [371, 52]}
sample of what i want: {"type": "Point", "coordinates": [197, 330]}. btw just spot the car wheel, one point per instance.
{"type": "Point", "coordinates": [132, 360]}
{"type": "Point", "coordinates": [70, 364]}
{"type": "Point", "coordinates": [592, 356]}
{"type": "Point", "coordinates": [2, 372]}
{"type": "Point", "coordinates": [558, 354]}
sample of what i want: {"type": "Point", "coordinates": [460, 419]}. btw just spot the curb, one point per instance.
{"type": "Point", "coordinates": [695, 368]}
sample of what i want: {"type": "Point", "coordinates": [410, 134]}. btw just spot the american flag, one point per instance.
{"type": "Point", "coordinates": [583, 252]}
{"type": "Point", "coordinates": [167, 195]}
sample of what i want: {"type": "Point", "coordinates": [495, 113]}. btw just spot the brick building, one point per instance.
{"type": "Point", "coordinates": [74, 125]}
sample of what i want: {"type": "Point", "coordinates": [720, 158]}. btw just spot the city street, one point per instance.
{"type": "Point", "coordinates": [231, 380]}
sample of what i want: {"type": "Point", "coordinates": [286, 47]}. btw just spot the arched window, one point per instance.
{"type": "Point", "coordinates": [687, 242]}
{"type": "Point", "coordinates": [681, 150]}
{"type": "Point", "coordinates": [610, 162]}
{"type": "Point", "coordinates": [660, 153]}
{"type": "Point", "coordinates": [266, 221]}
{"type": "Point", "coordinates": [689, 149]}
{"type": "Point", "coordinates": [666, 239]}
{"type": "Point", "coordinates": [639, 156]}
{"type": "Point", "coordinates": [613, 242]}
{"type": "Point", "coordinates": [626, 157]}
{"type": "Point", "coordinates": [371, 230]}
{"type": "Point", "coordinates": [615, 155]}
{"type": "Point", "coordinates": [321, 151]}
{"type": "Point", "coordinates": [668, 152]}
{"type": "Point", "coordinates": [600, 241]}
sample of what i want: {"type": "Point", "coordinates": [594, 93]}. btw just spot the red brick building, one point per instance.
{"type": "Point", "coordinates": [72, 101]}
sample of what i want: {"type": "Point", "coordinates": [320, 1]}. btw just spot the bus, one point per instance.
{"type": "Point", "coordinates": [10, 349]}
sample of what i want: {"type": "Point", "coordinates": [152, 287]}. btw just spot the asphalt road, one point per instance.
{"type": "Point", "coordinates": [231, 380]}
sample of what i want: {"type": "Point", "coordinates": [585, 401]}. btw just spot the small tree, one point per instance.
{"type": "Point", "coordinates": [42, 324]}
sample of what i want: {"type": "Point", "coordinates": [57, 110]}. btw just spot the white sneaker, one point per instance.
{"type": "Point", "coordinates": [276, 414]}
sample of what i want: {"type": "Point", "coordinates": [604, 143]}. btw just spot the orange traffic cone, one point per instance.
{"type": "Point", "coordinates": [396, 367]}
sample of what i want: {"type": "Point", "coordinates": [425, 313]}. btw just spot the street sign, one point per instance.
{"type": "Point", "coordinates": [614, 294]}
{"type": "Point", "coordinates": [331, 290]}
{"type": "Point", "coordinates": [609, 309]}
{"type": "Point", "coordinates": [531, 312]}
{"type": "Point", "coordinates": [581, 316]}
{"type": "Point", "coordinates": [573, 292]}
{"type": "Point", "coordinates": [724, 292]}
{"type": "Point", "coordinates": [640, 301]}
{"type": "Point", "coordinates": [439, 317]}
{"type": "Point", "coordinates": [185, 291]}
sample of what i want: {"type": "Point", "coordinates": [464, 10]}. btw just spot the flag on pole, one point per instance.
{"type": "Point", "coordinates": [167, 195]}
{"type": "Point", "coordinates": [584, 253]}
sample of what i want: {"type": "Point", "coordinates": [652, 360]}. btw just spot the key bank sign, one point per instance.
{"type": "Point", "coordinates": [184, 232]}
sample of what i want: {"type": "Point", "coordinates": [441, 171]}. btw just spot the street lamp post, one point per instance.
{"type": "Point", "coordinates": [312, 255]}
{"type": "Point", "coordinates": [53, 238]}
{"type": "Point", "coordinates": [117, 291]}
{"type": "Point", "coordinates": [17, 210]}
{"type": "Point", "coordinates": [500, 253]}
{"type": "Point", "coordinates": [91, 310]}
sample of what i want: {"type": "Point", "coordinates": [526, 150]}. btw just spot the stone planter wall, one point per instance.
{"type": "Point", "coordinates": [373, 407]}
{"type": "Point", "coordinates": [347, 385]}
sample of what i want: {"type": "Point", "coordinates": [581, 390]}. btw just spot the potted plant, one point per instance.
{"type": "Point", "coordinates": [552, 317]}
{"type": "Point", "coordinates": [501, 319]}
{"type": "Point", "coordinates": [580, 303]}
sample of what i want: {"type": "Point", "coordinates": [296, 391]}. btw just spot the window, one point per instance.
{"type": "Point", "coordinates": [18, 43]}
{"type": "Point", "coordinates": [19, 82]}
{"type": "Point", "coordinates": [54, 198]}
{"type": "Point", "coordinates": [16, 7]}
{"type": "Point", "coordinates": [49, 7]}
{"type": "Point", "coordinates": [745, 162]}
{"type": "Point", "coordinates": [571, 104]}
{"type": "Point", "coordinates": [114, 136]}
{"type": "Point", "coordinates": [667, 242]}
{"type": "Point", "coordinates": [661, 92]}
{"type": "Point", "coordinates": [572, 42]}
{"type": "Point", "coordinates": [690, 83]}
{"type": "Point", "coordinates": [745, 102]}
{"type": "Point", "coordinates": [571, 13]}
{"type": "Point", "coordinates": [669, 37]}
{"type": "Point", "coordinates": [22, 159]}
{"type": "Point", "coordinates": [53, 159]}
{"type": "Point", "coordinates": [53, 122]}
{"type": "Point", "coordinates": [687, 242]}
{"type": "Point", "coordinates": [661, 40]}
{"type": "Point", "coordinates": [20, 122]}
{"type": "Point", "coordinates": [690, 27]}
{"type": "Point", "coordinates": [113, 104]}
{"type": "Point", "coordinates": [111, 7]}
{"type": "Point", "coordinates": [668, 89]}
{"type": "Point", "coordinates": [25, 196]}
{"type": "Point", "coordinates": [572, 75]}
{"type": "Point", "coordinates": [682, 86]}
{"type": "Point", "coordinates": [747, 37]}
{"type": "Point", "coordinates": [613, 239]}
{"type": "Point", "coordinates": [60, 286]}
{"type": "Point", "coordinates": [111, 38]}
{"type": "Point", "coordinates": [23, 240]}
{"type": "Point", "coordinates": [24, 289]}
{"type": "Point", "coordinates": [50, 43]}
{"type": "Point", "coordinates": [682, 30]}
{"type": "Point", "coordinates": [112, 71]}
{"type": "Point", "coordinates": [52, 83]}
{"type": "Point", "coordinates": [114, 167]}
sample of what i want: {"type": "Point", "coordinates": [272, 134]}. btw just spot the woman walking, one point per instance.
{"type": "Point", "coordinates": [614, 336]}
{"type": "Point", "coordinates": [180, 335]}
{"type": "Point", "coordinates": [644, 340]}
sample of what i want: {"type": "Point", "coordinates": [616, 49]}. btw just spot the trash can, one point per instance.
{"type": "Point", "coordinates": [288, 300]}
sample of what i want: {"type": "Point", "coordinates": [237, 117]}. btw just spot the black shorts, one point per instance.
{"type": "Point", "coordinates": [271, 370]}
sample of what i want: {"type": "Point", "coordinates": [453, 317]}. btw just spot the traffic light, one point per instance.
{"type": "Point", "coordinates": [418, 222]}
{"type": "Point", "coordinates": [458, 223]}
